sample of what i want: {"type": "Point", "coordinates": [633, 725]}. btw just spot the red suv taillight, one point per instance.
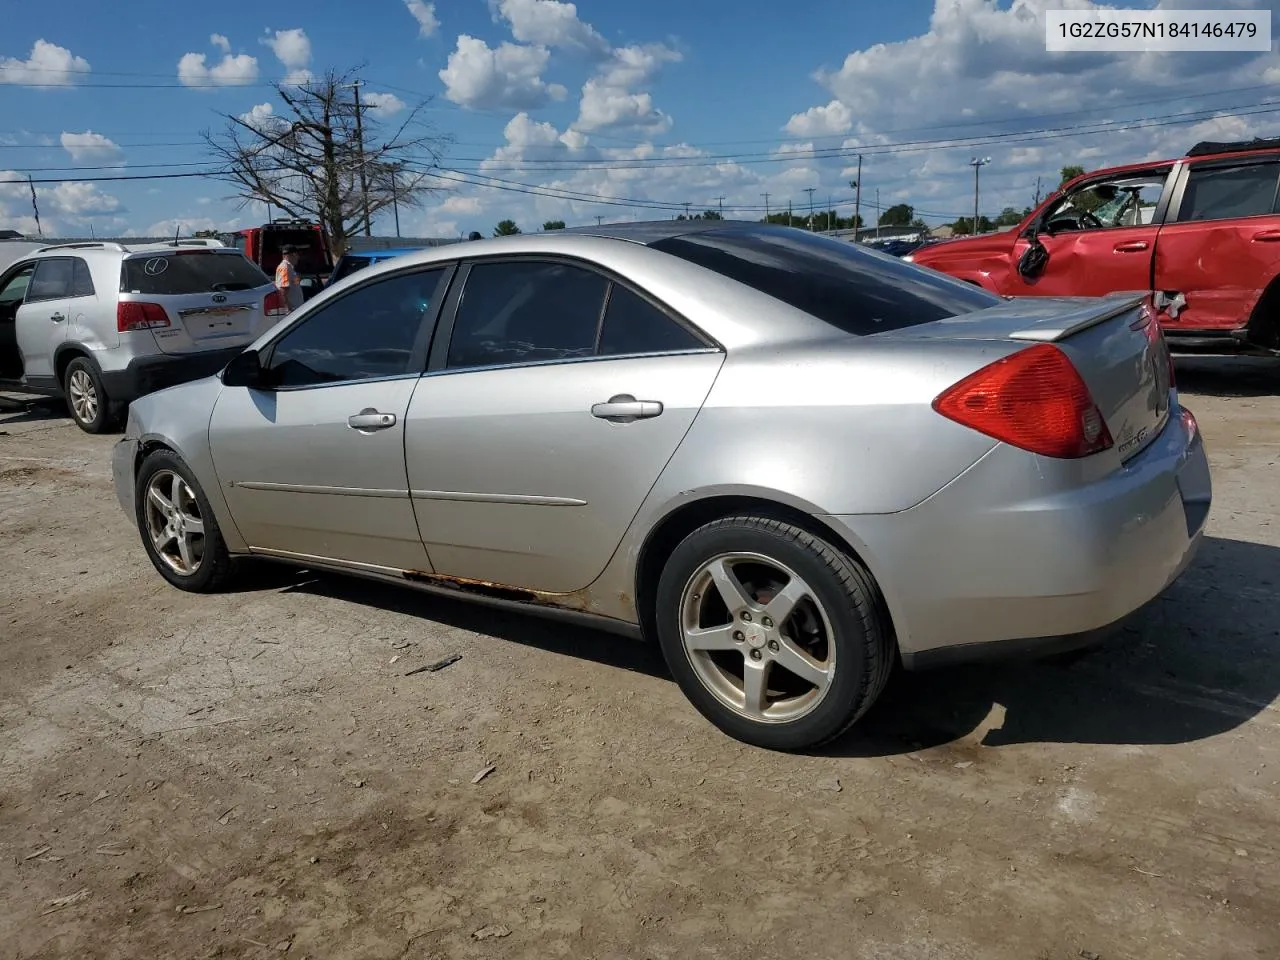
{"type": "Point", "coordinates": [131, 315]}
{"type": "Point", "coordinates": [1035, 400]}
{"type": "Point", "coordinates": [273, 304]}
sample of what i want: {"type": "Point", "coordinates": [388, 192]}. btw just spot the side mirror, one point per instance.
{"type": "Point", "coordinates": [244, 370]}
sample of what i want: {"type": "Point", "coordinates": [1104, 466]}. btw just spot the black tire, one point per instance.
{"type": "Point", "coordinates": [216, 565]}
{"type": "Point", "coordinates": [863, 636]}
{"type": "Point", "coordinates": [82, 375]}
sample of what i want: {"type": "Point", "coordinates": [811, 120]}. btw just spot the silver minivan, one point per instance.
{"type": "Point", "coordinates": [100, 324]}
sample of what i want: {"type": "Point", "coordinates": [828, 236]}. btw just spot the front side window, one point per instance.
{"type": "Point", "coordinates": [368, 333]}
{"type": "Point", "coordinates": [1128, 201]}
{"type": "Point", "coordinates": [524, 312]}
{"type": "Point", "coordinates": [52, 280]}
{"type": "Point", "coordinates": [16, 287]}
{"type": "Point", "coordinates": [852, 289]}
{"type": "Point", "coordinates": [1223, 193]}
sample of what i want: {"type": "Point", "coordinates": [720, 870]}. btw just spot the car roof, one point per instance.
{"type": "Point", "coordinates": [652, 231]}
{"type": "Point", "coordinates": [383, 254]}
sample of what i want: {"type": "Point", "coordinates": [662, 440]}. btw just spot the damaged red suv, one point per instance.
{"type": "Point", "coordinates": [1200, 233]}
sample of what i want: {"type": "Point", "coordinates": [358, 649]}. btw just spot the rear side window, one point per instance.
{"type": "Point", "coordinates": [1223, 193]}
{"type": "Point", "coordinates": [523, 312]}
{"type": "Point", "coordinates": [633, 325]}
{"type": "Point", "coordinates": [175, 274]}
{"type": "Point", "coordinates": [81, 280]}
{"type": "Point", "coordinates": [854, 290]}
{"type": "Point", "coordinates": [52, 280]}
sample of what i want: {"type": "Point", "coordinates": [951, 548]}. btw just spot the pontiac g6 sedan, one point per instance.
{"type": "Point", "coordinates": [791, 461]}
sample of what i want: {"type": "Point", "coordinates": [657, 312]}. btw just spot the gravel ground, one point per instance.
{"type": "Point", "coordinates": [253, 773]}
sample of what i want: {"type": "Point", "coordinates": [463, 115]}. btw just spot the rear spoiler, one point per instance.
{"type": "Point", "coordinates": [1090, 313]}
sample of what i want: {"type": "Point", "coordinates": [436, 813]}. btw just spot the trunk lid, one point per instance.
{"type": "Point", "coordinates": [213, 299]}
{"type": "Point", "coordinates": [1114, 342]}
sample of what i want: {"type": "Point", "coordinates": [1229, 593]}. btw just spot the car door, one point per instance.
{"type": "Point", "coordinates": [1221, 245]}
{"type": "Point", "coordinates": [13, 288]}
{"type": "Point", "coordinates": [45, 314]}
{"type": "Point", "coordinates": [549, 411]}
{"type": "Point", "coordinates": [312, 462]}
{"type": "Point", "coordinates": [1100, 237]}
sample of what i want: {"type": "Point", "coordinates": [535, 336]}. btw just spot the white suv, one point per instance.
{"type": "Point", "coordinates": [100, 324]}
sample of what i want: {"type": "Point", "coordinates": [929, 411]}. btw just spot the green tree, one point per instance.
{"type": "Point", "coordinates": [709, 215]}
{"type": "Point", "coordinates": [964, 226]}
{"type": "Point", "coordinates": [505, 228]}
{"type": "Point", "coordinates": [553, 225]}
{"type": "Point", "coordinates": [1070, 173]}
{"type": "Point", "coordinates": [899, 215]}
{"type": "Point", "coordinates": [1009, 217]}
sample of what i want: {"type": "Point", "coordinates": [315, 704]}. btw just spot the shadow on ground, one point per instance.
{"type": "Point", "coordinates": [1213, 376]}
{"type": "Point", "coordinates": [14, 409]}
{"type": "Point", "coordinates": [1202, 660]}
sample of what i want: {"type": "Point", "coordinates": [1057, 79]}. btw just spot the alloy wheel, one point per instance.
{"type": "Point", "coordinates": [174, 523]}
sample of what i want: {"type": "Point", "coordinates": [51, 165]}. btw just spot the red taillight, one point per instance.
{"type": "Point", "coordinates": [1035, 400]}
{"type": "Point", "coordinates": [131, 315]}
{"type": "Point", "coordinates": [273, 304]}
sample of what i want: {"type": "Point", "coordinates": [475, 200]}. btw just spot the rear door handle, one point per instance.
{"type": "Point", "coordinates": [369, 419]}
{"type": "Point", "coordinates": [57, 317]}
{"type": "Point", "coordinates": [623, 408]}
{"type": "Point", "coordinates": [1133, 246]}
{"type": "Point", "coordinates": [1267, 236]}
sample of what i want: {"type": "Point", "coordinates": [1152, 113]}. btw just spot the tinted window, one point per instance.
{"type": "Point", "coordinates": [370, 332]}
{"type": "Point", "coordinates": [520, 312]}
{"type": "Point", "coordinates": [349, 265]}
{"type": "Point", "coordinates": [1224, 192]}
{"type": "Point", "coordinates": [857, 291]}
{"type": "Point", "coordinates": [633, 325]}
{"type": "Point", "coordinates": [81, 281]}
{"type": "Point", "coordinates": [173, 274]}
{"type": "Point", "coordinates": [52, 280]}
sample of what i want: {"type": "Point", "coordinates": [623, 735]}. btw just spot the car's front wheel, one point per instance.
{"type": "Point", "coordinates": [179, 530]}
{"type": "Point", "coordinates": [776, 636]}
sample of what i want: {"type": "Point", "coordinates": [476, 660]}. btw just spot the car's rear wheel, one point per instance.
{"type": "Point", "coordinates": [90, 407]}
{"type": "Point", "coordinates": [179, 531]}
{"type": "Point", "coordinates": [777, 637]}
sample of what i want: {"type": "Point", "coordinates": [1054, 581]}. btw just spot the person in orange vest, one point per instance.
{"type": "Point", "coordinates": [287, 280]}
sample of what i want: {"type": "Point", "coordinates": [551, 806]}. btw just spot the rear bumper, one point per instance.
{"type": "Point", "coordinates": [994, 566]}
{"type": "Point", "coordinates": [145, 375]}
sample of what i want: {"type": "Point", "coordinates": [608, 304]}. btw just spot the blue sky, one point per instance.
{"type": "Point", "coordinates": [645, 105]}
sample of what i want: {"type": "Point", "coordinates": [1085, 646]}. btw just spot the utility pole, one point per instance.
{"type": "Point", "coordinates": [857, 199]}
{"type": "Point", "coordinates": [598, 219]}
{"type": "Point", "coordinates": [829, 217]}
{"type": "Point", "coordinates": [809, 191]}
{"type": "Point", "coordinates": [1037, 200]}
{"type": "Point", "coordinates": [766, 207]}
{"type": "Point", "coordinates": [977, 165]}
{"type": "Point", "coordinates": [686, 209]}
{"type": "Point", "coordinates": [395, 205]}
{"type": "Point", "coordinates": [364, 177]}
{"type": "Point", "coordinates": [789, 217]}
{"type": "Point", "coordinates": [877, 213]}
{"type": "Point", "coordinates": [720, 201]}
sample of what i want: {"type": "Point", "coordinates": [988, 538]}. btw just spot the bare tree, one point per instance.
{"type": "Point", "coordinates": [323, 158]}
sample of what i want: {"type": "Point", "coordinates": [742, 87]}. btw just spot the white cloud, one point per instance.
{"type": "Point", "coordinates": [219, 41]}
{"type": "Point", "coordinates": [834, 118]}
{"type": "Point", "coordinates": [425, 14]}
{"type": "Point", "coordinates": [608, 100]}
{"type": "Point", "coordinates": [509, 77]}
{"type": "Point", "coordinates": [49, 65]}
{"type": "Point", "coordinates": [261, 117]}
{"type": "Point", "coordinates": [293, 49]}
{"type": "Point", "coordinates": [230, 71]}
{"type": "Point", "coordinates": [550, 23]}
{"type": "Point", "coordinates": [79, 200]}
{"type": "Point", "coordinates": [466, 206]}
{"type": "Point", "coordinates": [90, 146]}
{"type": "Point", "coordinates": [384, 104]}
{"type": "Point", "coordinates": [184, 226]}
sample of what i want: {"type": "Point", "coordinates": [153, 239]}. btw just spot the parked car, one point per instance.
{"type": "Point", "coordinates": [1201, 234]}
{"type": "Point", "coordinates": [264, 246]}
{"type": "Point", "coordinates": [100, 324]}
{"type": "Point", "coordinates": [352, 260]}
{"type": "Point", "coordinates": [790, 460]}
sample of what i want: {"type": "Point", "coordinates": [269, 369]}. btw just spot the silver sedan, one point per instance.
{"type": "Point", "coordinates": [793, 462]}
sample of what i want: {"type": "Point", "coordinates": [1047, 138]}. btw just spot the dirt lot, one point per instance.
{"type": "Point", "coordinates": [253, 773]}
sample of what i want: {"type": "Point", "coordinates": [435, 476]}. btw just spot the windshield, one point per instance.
{"type": "Point", "coordinates": [177, 273]}
{"type": "Point", "coordinates": [852, 288]}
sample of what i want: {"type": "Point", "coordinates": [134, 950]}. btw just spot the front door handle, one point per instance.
{"type": "Point", "coordinates": [1133, 246]}
{"type": "Point", "coordinates": [369, 419]}
{"type": "Point", "coordinates": [624, 408]}
{"type": "Point", "coordinates": [57, 317]}
{"type": "Point", "coordinates": [1267, 236]}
